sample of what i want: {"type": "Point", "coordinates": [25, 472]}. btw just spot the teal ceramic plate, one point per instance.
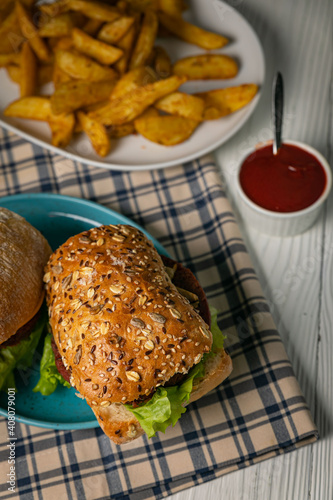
{"type": "Point", "coordinates": [58, 218]}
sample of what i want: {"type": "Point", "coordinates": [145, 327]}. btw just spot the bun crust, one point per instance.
{"type": "Point", "coordinates": [217, 369]}
{"type": "Point", "coordinates": [119, 323]}
{"type": "Point", "coordinates": [23, 255]}
{"type": "Point", "coordinates": [120, 425]}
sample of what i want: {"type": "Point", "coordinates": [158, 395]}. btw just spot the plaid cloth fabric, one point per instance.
{"type": "Point", "coordinates": [259, 412]}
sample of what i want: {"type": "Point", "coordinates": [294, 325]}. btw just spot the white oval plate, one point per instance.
{"type": "Point", "coordinates": [135, 152]}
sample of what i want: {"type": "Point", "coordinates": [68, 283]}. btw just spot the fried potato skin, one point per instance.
{"type": "Point", "coordinates": [113, 32]}
{"type": "Point", "coordinates": [166, 130]}
{"type": "Point", "coordinates": [138, 77]}
{"type": "Point", "coordinates": [62, 128]}
{"type": "Point", "coordinates": [11, 36]}
{"type": "Point", "coordinates": [206, 67]}
{"type": "Point", "coordinates": [96, 49]}
{"type": "Point", "coordinates": [76, 94]}
{"type": "Point", "coordinates": [30, 32]}
{"type": "Point", "coordinates": [181, 104]}
{"type": "Point", "coordinates": [81, 67]}
{"type": "Point", "coordinates": [223, 102]}
{"type": "Point", "coordinates": [31, 108]}
{"type": "Point", "coordinates": [145, 41]}
{"type": "Point", "coordinates": [131, 105]}
{"type": "Point", "coordinates": [191, 33]}
{"type": "Point", "coordinates": [96, 133]}
{"type": "Point", "coordinates": [94, 10]}
{"type": "Point", "coordinates": [28, 76]}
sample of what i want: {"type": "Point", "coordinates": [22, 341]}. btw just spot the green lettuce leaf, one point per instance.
{"type": "Point", "coordinates": [166, 406]}
{"type": "Point", "coordinates": [218, 337]}
{"type": "Point", "coordinates": [49, 375]}
{"type": "Point", "coordinates": [20, 356]}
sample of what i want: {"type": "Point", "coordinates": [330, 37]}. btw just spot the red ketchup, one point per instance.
{"type": "Point", "coordinates": [289, 181]}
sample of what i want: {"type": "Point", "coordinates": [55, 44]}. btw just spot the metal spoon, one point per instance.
{"type": "Point", "coordinates": [277, 110]}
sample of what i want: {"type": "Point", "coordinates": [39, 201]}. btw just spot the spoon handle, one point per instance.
{"type": "Point", "coordinates": [277, 111]}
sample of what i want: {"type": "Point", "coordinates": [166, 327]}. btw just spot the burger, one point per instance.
{"type": "Point", "coordinates": [132, 331]}
{"type": "Point", "coordinates": [23, 254]}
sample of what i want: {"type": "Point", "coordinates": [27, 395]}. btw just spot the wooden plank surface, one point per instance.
{"type": "Point", "coordinates": [296, 273]}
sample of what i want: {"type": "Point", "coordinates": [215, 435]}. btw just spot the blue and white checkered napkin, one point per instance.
{"type": "Point", "coordinates": [257, 413]}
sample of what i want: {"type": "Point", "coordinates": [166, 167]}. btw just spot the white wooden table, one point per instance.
{"type": "Point", "coordinates": [296, 273]}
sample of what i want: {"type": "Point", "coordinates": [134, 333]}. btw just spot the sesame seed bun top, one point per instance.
{"type": "Point", "coordinates": [119, 323]}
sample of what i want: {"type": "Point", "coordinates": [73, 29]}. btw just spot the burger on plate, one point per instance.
{"type": "Point", "coordinates": [23, 254]}
{"type": "Point", "coordinates": [132, 331]}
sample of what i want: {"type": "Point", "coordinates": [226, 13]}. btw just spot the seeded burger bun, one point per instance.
{"type": "Point", "coordinates": [121, 327]}
{"type": "Point", "coordinates": [23, 254]}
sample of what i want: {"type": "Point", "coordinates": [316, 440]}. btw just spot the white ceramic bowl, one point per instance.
{"type": "Point", "coordinates": [285, 223]}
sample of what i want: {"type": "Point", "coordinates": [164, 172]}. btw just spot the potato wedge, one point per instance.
{"type": "Point", "coordinates": [131, 105]}
{"type": "Point", "coordinates": [95, 10]}
{"type": "Point", "coordinates": [122, 6]}
{"type": "Point", "coordinates": [12, 58]}
{"type": "Point", "coordinates": [148, 113]}
{"type": "Point", "coordinates": [55, 8]}
{"type": "Point", "coordinates": [100, 51]}
{"type": "Point", "coordinates": [138, 77]}
{"type": "Point", "coordinates": [171, 7]}
{"type": "Point", "coordinates": [10, 34]}
{"type": "Point", "coordinates": [222, 102]}
{"type": "Point", "coordinates": [191, 33]}
{"type": "Point", "coordinates": [206, 67]}
{"type": "Point", "coordinates": [96, 132]}
{"type": "Point", "coordinates": [81, 67]}
{"type": "Point", "coordinates": [165, 130]}
{"type": "Point", "coordinates": [44, 74]}
{"type": "Point", "coordinates": [28, 77]}
{"type": "Point", "coordinates": [126, 44]}
{"type": "Point", "coordinates": [30, 32]}
{"type": "Point", "coordinates": [161, 62]}
{"type": "Point", "coordinates": [146, 39]}
{"type": "Point", "coordinates": [113, 32]}
{"type": "Point", "coordinates": [62, 128]}
{"type": "Point", "coordinates": [95, 106]}
{"type": "Point", "coordinates": [59, 76]}
{"type": "Point", "coordinates": [181, 104]}
{"type": "Point", "coordinates": [63, 43]}
{"type": "Point", "coordinates": [118, 131]}
{"type": "Point", "coordinates": [58, 26]}
{"type": "Point", "coordinates": [76, 94]}
{"type": "Point", "coordinates": [5, 9]}
{"type": "Point", "coordinates": [31, 108]}
{"type": "Point", "coordinates": [14, 72]}
{"type": "Point", "coordinates": [92, 26]}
